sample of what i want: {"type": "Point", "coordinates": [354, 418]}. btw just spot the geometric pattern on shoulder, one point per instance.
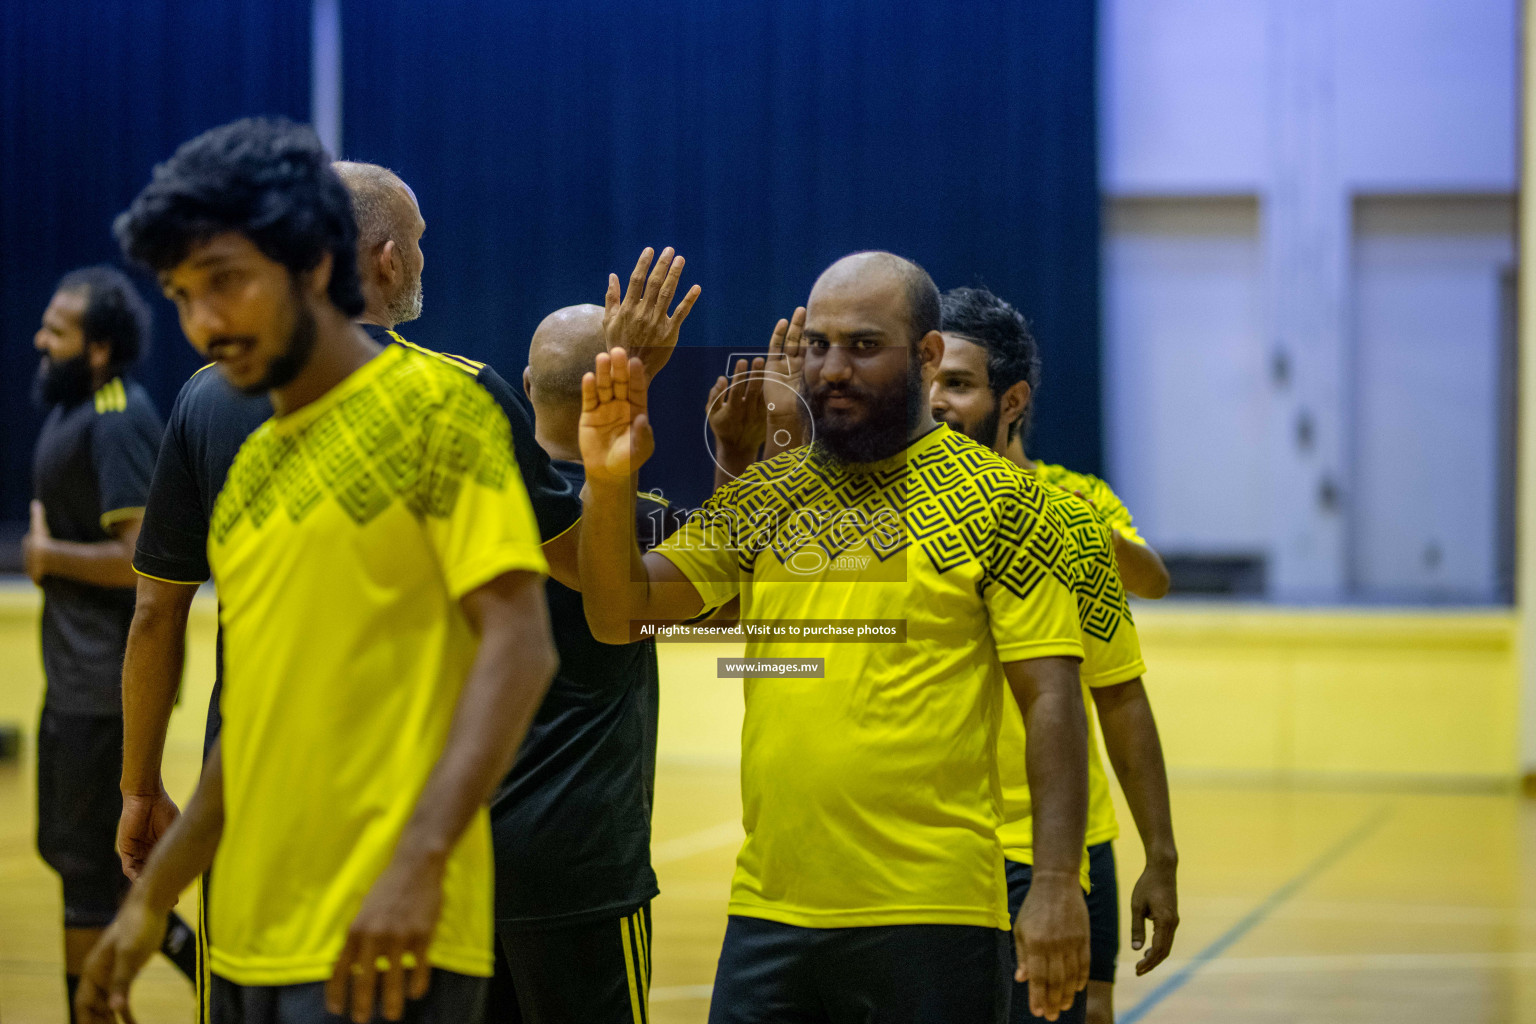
{"type": "Point", "coordinates": [415, 435]}
{"type": "Point", "coordinates": [1094, 577]}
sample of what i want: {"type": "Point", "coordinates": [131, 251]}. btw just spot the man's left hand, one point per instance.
{"type": "Point", "coordinates": [34, 546]}
{"type": "Point", "coordinates": [389, 937]}
{"type": "Point", "coordinates": [1155, 896]}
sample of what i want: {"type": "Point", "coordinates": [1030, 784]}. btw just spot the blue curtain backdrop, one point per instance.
{"type": "Point", "coordinates": [550, 142]}
{"type": "Point", "coordinates": [92, 94]}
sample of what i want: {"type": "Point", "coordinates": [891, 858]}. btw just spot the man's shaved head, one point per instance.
{"type": "Point", "coordinates": [565, 346]}
{"type": "Point", "coordinates": [863, 270]}
{"type": "Point", "coordinates": [872, 340]}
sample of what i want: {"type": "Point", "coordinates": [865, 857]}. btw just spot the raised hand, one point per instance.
{"type": "Point", "coordinates": [614, 431]}
{"type": "Point", "coordinates": [781, 390]}
{"type": "Point", "coordinates": [638, 322]}
{"type": "Point", "coordinates": [737, 415]}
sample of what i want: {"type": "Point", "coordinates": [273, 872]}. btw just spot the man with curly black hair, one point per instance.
{"type": "Point", "coordinates": [385, 635]}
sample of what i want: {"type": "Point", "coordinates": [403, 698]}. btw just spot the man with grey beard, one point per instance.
{"type": "Point", "coordinates": [389, 230]}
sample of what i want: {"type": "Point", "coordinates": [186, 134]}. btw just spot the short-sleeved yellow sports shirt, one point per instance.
{"type": "Point", "coordinates": [871, 796]}
{"type": "Point", "coordinates": [341, 543]}
{"type": "Point", "coordinates": [1108, 503]}
{"type": "Point", "coordinates": [1111, 655]}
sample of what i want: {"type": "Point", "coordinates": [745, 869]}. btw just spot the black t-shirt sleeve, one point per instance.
{"type": "Point", "coordinates": [123, 456]}
{"type": "Point", "coordinates": [173, 543]}
{"type": "Point", "coordinates": [556, 505]}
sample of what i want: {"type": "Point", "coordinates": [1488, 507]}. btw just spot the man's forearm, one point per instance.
{"type": "Point", "coordinates": [1131, 740]}
{"type": "Point", "coordinates": [1141, 568]}
{"type": "Point", "coordinates": [511, 672]}
{"type": "Point", "coordinates": [188, 847]}
{"type": "Point", "coordinates": [106, 563]}
{"type": "Point", "coordinates": [152, 667]}
{"type": "Point", "coordinates": [1056, 760]}
{"type": "Point", "coordinates": [611, 565]}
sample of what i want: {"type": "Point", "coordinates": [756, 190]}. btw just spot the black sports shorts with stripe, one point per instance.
{"type": "Point", "coordinates": [593, 973]}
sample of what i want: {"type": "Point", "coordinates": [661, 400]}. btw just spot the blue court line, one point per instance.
{"type": "Point", "coordinates": [1223, 942]}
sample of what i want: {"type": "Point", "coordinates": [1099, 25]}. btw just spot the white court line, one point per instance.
{"type": "Point", "coordinates": [727, 833]}
{"type": "Point", "coordinates": [1350, 963]}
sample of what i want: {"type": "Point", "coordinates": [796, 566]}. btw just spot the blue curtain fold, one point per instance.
{"type": "Point", "coordinates": [550, 142]}
{"type": "Point", "coordinates": [93, 93]}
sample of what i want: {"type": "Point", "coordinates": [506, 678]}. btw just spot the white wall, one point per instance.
{"type": "Point", "coordinates": [1184, 332]}
{"type": "Point", "coordinates": [1301, 106]}
{"type": "Point", "coordinates": [1428, 316]}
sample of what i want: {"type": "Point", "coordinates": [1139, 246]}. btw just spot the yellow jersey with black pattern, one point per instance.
{"type": "Point", "coordinates": [1108, 503]}
{"type": "Point", "coordinates": [342, 542]}
{"type": "Point", "coordinates": [871, 795]}
{"type": "Point", "coordinates": [1111, 656]}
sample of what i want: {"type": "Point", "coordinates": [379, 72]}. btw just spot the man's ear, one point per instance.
{"type": "Point", "coordinates": [1013, 403]}
{"type": "Point", "coordinates": [387, 264]}
{"type": "Point", "coordinates": [930, 350]}
{"type": "Point", "coordinates": [98, 355]}
{"type": "Point", "coordinates": [528, 382]}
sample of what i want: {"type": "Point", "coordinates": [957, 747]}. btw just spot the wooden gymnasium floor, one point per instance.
{"type": "Point", "coordinates": [1299, 905]}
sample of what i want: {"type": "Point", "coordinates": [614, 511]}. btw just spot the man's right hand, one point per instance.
{"type": "Point", "coordinates": [1051, 940]}
{"type": "Point", "coordinates": [144, 820]}
{"type": "Point", "coordinates": [781, 389]}
{"type": "Point", "coordinates": [614, 431]}
{"type": "Point", "coordinates": [134, 936]}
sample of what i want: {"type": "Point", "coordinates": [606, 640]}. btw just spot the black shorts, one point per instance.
{"type": "Point", "coordinates": [79, 767]}
{"type": "Point", "coordinates": [1103, 913]}
{"type": "Point", "coordinates": [451, 999]}
{"type": "Point", "coordinates": [1019, 878]}
{"type": "Point", "coordinates": [595, 973]}
{"type": "Point", "coordinates": [773, 973]}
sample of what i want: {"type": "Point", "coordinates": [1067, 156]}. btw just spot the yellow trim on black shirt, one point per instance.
{"type": "Point", "coordinates": [117, 515]}
{"type": "Point", "coordinates": [461, 362]}
{"type": "Point", "coordinates": [111, 397]}
{"type": "Point", "coordinates": [162, 579]}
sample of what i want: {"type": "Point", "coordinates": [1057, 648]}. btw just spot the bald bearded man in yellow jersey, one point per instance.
{"type": "Point", "coordinates": [984, 388]}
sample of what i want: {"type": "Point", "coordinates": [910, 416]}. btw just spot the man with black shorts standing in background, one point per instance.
{"type": "Point", "coordinates": [572, 820]}
{"type": "Point", "coordinates": [90, 476]}
{"type": "Point", "coordinates": [985, 389]}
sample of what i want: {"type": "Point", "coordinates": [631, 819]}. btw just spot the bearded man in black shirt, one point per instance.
{"type": "Point", "coordinates": [90, 476]}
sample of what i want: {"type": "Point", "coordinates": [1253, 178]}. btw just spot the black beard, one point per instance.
{"type": "Point", "coordinates": [886, 430]}
{"type": "Point", "coordinates": [985, 432]}
{"type": "Point", "coordinates": [301, 345]}
{"type": "Point", "coordinates": [63, 383]}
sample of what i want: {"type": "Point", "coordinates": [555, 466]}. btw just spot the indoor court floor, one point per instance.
{"type": "Point", "coordinates": [1299, 905]}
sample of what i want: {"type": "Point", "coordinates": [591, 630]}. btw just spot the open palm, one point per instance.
{"type": "Point", "coordinates": [614, 431]}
